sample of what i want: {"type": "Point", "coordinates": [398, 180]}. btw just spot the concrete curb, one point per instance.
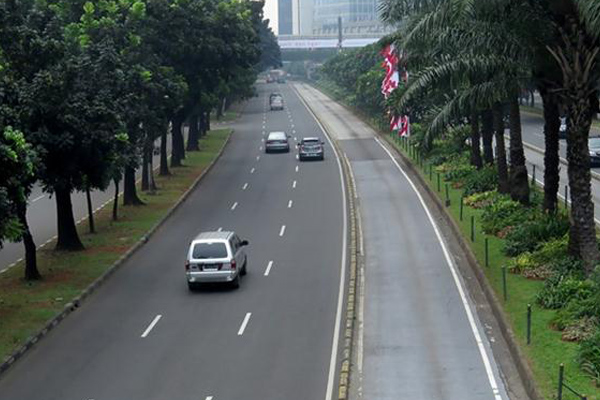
{"type": "Point", "coordinates": [77, 301]}
{"type": "Point", "coordinates": [523, 367]}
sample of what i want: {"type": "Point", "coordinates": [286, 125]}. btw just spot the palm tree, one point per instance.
{"type": "Point", "coordinates": [466, 49]}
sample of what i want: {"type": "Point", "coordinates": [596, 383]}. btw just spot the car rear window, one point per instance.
{"type": "Point", "coordinates": [209, 250]}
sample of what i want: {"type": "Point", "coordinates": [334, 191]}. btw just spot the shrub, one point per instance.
{"type": "Point", "coordinates": [481, 200]}
{"type": "Point", "coordinates": [501, 214]}
{"type": "Point", "coordinates": [482, 180]}
{"type": "Point", "coordinates": [529, 235]}
{"type": "Point", "coordinates": [589, 356]}
{"type": "Point", "coordinates": [575, 310]}
{"type": "Point", "coordinates": [523, 262]}
{"type": "Point", "coordinates": [580, 329]}
{"type": "Point", "coordinates": [559, 290]}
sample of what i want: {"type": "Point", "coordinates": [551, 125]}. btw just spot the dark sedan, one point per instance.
{"type": "Point", "coordinates": [594, 147]}
{"type": "Point", "coordinates": [311, 149]}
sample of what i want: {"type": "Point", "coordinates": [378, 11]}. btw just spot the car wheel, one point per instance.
{"type": "Point", "coordinates": [244, 270]}
{"type": "Point", "coordinates": [236, 282]}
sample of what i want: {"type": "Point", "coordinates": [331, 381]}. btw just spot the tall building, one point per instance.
{"type": "Point", "coordinates": [358, 16]}
{"type": "Point", "coordinates": [305, 16]}
{"type": "Point", "coordinates": [285, 17]}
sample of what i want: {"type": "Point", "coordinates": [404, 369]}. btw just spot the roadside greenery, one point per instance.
{"type": "Point", "coordinates": [87, 87]}
{"type": "Point", "coordinates": [26, 307]}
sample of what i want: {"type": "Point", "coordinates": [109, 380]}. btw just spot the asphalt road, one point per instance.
{"type": "Point", "coordinates": [421, 337]}
{"type": "Point", "coordinates": [41, 215]}
{"type": "Point", "coordinates": [144, 336]}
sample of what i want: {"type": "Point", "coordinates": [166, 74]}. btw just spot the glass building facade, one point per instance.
{"type": "Point", "coordinates": [285, 17]}
{"type": "Point", "coordinates": [326, 13]}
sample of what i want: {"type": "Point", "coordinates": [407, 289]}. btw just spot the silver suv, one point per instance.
{"type": "Point", "coordinates": [216, 257]}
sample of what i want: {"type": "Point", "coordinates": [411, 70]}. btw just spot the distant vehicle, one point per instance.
{"type": "Point", "coordinates": [594, 149]}
{"type": "Point", "coordinates": [277, 141]}
{"type": "Point", "coordinates": [270, 79]}
{"type": "Point", "coordinates": [311, 148]}
{"type": "Point", "coordinates": [274, 95]}
{"type": "Point", "coordinates": [281, 80]}
{"type": "Point", "coordinates": [216, 257]}
{"type": "Point", "coordinates": [562, 131]}
{"type": "Point", "coordinates": [276, 103]}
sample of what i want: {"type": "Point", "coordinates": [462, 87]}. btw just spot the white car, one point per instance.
{"type": "Point", "coordinates": [216, 257]}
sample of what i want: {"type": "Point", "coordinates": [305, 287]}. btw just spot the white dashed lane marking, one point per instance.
{"type": "Point", "coordinates": [282, 230]}
{"type": "Point", "coordinates": [244, 324]}
{"type": "Point", "coordinates": [268, 270]}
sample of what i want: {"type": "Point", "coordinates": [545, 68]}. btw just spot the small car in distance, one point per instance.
{"type": "Point", "coordinates": [216, 257]}
{"type": "Point", "coordinates": [280, 80]}
{"type": "Point", "coordinates": [277, 141]}
{"type": "Point", "coordinates": [311, 148]}
{"type": "Point", "coordinates": [594, 149]}
{"type": "Point", "coordinates": [276, 103]}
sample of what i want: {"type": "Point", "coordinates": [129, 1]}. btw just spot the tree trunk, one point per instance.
{"type": "Point", "coordinates": [153, 187]}
{"type": "Point", "coordinates": [202, 124]}
{"type": "Point", "coordinates": [164, 160]}
{"type": "Point", "coordinates": [130, 197]}
{"type": "Point", "coordinates": [487, 136]}
{"type": "Point", "coordinates": [498, 113]}
{"type": "Point", "coordinates": [177, 151]}
{"type": "Point", "coordinates": [88, 197]}
{"type": "Point", "coordinates": [115, 209]}
{"type": "Point", "coordinates": [220, 108]}
{"type": "Point", "coordinates": [192, 143]}
{"type": "Point", "coordinates": [551, 155]}
{"type": "Point", "coordinates": [532, 93]}
{"type": "Point", "coordinates": [31, 269]}
{"type": "Point", "coordinates": [68, 238]}
{"type": "Point", "coordinates": [582, 235]}
{"type": "Point", "coordinates": [475, 143]}
{"type": "Point", "coordinates": [145, 174]}
{"type": "Point", "coordinates": [207, 121]}
{"type": "Point", "coordinates": [519, 182]}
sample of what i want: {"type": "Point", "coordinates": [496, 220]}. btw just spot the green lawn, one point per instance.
{"type": "Point", "coordinates": [546, 350]}
{"type": "Point", "coordinates": [26, 307]}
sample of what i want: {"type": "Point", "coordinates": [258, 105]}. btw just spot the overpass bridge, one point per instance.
{"type": "Point", "coordinates": [292, 42]}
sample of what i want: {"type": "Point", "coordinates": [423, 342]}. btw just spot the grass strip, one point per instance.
{"type": "Point", "coordinates": [228, 116]}
{"type": "Point", "coordinates": [25, 307]}
{"type": "Point", "coordinates": [547, 350]}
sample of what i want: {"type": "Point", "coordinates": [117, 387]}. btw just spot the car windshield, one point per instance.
{"type": "Point", "coordinates": [209, 250]}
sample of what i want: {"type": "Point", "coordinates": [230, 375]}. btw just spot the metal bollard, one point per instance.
{"type": "Point", "coordinates": [447, 196]}
{"type": "Point", "coordinates": [528, 323]}
{"type": "Point", "coordinates": [561, 378]}
{"type": "Point", "coordinates": [566, 196]}
{"type": "Point", "coordinates": [438, 181]}
{"type": "Point", "coordinates": [472, 228]}
{"type": "Point", "coordinates": [533, 177]}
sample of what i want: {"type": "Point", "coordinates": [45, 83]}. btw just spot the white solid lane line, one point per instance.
{"type": "Point", "coordinates": [244, 323]}
{"type": "Point", "coordinates": [152, 324]}
{"type": "Point", "coordinates": [282, 230]}
{"type": "Point", "coordinates": [38, 198]}
{"type": "Point", "coordinates": [290, 204]}
{"type": "Point", "coordinates": [234, 206]}
{"type": "Point", "coordinates": [455, 276]}
{"type": "Point", "coordinates": [294, 185]}
{"type": "Point", "coordinates": [245, 186]}
{"type": "Point", "coordinates": [268, 268]}
{"type": "Point", "coordinates": [252, 170]}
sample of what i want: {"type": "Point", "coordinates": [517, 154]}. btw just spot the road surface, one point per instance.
{"type": "Point", "coordinates": [144, 336]}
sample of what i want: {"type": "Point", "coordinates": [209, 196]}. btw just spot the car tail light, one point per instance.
{"type": "Point", "coordinates": [233, 264]}
{"type": "Point", "coordinates": [187, 265]}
